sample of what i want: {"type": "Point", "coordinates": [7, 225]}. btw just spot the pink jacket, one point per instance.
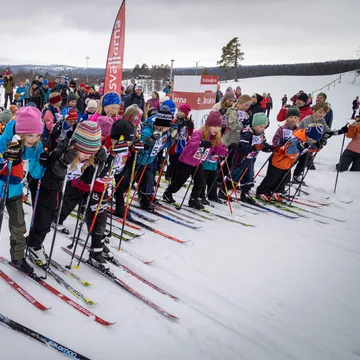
{"type": "Point", "coordinates": [154, 103]}
{"type": "Point", "coordinates": [187, 156]}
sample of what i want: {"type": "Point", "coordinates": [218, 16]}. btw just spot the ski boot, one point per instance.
{"type": "Point", "coordinates": [247, 198]}
{"type": "Point", "coordinates": [277, 197]}
{"type": "Point", "coordinates": [107, 254]}
{"type": "Point", "coordinates": [167, 196]}
{"type": "Point", "coordinates": [23, 266]}
{"type": "Point", "coordinates": [222, 194]}
{"type": "Point", "coordinates": [263, 197]}
{"type": "Point", "coordinates": [145, 203]}
{"type": "Point", "coordinates": [217, 200]}
{"type": "Point", "coordinates": [298, 180]}
{"type": "Point", "coordinates": [196, 204]}
{"type": "Point", "coordinates": [61, 229]}
{"type": "Point", "coordinates": [97, 260]}
{"type": "Point", "coordinates": [120, 212]}
{"type": "Point", "coordinates": [39, 256]}
{"type": "Point", "coordinates": [205, 201]}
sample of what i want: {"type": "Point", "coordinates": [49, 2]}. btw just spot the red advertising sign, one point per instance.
{"type": "Point", "coordinates": [209, 79]}
{"type": "Point", "coordinates": [114, 62]}
{"type": "Point", "coordinates": [197, 101]}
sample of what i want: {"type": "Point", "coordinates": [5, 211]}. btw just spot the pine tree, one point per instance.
{"type": "Point", "coordinates": [206, 71]}
{"type": "Point", "coordinates": [231, 56]}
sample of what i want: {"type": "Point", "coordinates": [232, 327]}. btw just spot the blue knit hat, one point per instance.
{"type": "Point", "coordinates": [171, 105]}
{"type": "Point", "coordinates": [111, 98]}
{"type": "Point", "coordinates": [45, 82]}
{"type": "Point", "coordinates": [315, 132]}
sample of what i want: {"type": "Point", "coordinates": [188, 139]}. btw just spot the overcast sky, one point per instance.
{"type": "Point", "coordinates": [270, 32]}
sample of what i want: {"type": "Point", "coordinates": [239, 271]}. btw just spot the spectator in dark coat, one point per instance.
{"type": "Point", "coordinates": [255, 107]}
{"type": "Point", "coordinates": [8, 84]}
{"type": "Point", "coordinates": [137, 97]}
{"type": "Point", "coordinates": [36, 95]}
{"type": "Point", "coordinates": [284, 101]}
{"type": "Point", "coordinates": [269, 105]}
{"type": "Point", "coordinates": [329, 115]}
{"type": "Point", "coordinates": [63, 89]}
{"type": "Point", "coordinates": [355, 106]}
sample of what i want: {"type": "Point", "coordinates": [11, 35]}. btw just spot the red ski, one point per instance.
{"type": "Point", "coordinates": [23, 292]}
{"type": "Point", "coordinates": [59, 294]}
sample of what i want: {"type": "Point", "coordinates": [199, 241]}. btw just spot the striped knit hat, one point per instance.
{"type": "Point", "coordinates": [88, 137]}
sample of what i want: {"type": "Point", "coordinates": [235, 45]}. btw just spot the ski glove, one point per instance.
{"type": "Point", "coordinates": [13, 153]}
{"type": "Point", "coordinates": [149, 142]}
{"type": "Point", "coordinates": [206, 144]}
{"type": "Point", "coordinates": [120, 147]}
{"type": "Point", "coordinates": [138, 146]}
{"type": "Point", "coordinates": [44, 158]}
{"type": "Point", "coordinates": [69, 156]}
{"type": "Point", "coordinates": [233, 147]}
{"type": "Point", "coordinates": [258, 147]}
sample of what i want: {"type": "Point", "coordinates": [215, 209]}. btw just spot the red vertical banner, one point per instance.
{"type": "Point", "coordinates": [115, 57]}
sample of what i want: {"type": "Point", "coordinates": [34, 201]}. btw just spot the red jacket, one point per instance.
{"type": "Point", "coordinates": [304, 111]}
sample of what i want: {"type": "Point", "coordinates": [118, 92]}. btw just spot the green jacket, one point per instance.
{"type": "Point", "coordinates": [9, 85]}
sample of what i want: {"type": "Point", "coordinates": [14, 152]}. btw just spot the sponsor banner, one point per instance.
{"type": "Point", "coordinates": [115, 58]}
{"type": "Point", "coordinates": [197, 101]}
{"type": "Point", "coordinates": [209, 80]}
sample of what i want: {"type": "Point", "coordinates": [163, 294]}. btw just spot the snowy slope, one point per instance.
{"type": "Point", "coordinates": [286, 289]}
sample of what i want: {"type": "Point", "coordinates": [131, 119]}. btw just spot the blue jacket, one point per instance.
{"type": "Point", "coordinates": [46, 94]}
{"type": "Point", "coordinates": [20, 90]}
{"type": "Point", "coordinates": [329, 118]}
{"type": "Point", "coordinates": [31, 154]}
{"type": "Point", "coordinates": [164, 142]}
{"type": "Point", "coordinates": [27, 90]}
{"type": "Point", "coordinates": [65, 111]}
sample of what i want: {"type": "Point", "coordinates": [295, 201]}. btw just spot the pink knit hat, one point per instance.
{"type": "Point", "coordinates": [28, 121]}
{"type": "Point", "coordinates": [105, 123]}
{"type": "Point", "coordinates": [185, 108]}
{"type": "Point", "coordinates": [214, 119]}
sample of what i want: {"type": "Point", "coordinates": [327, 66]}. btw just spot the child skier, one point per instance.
{"type": "Point", "coordinates": [204, 141]}
{"type": "Point", "coordinates": [72, 99]}
{"type": "Point", "coordinates": [90, 109]}
{"type": "Point", "coordinates": [51, 114]}
{"type": "Point", "coordinates": [284, 158]}
{"type": "Point", "coordinates": [185, 131]}
{"type": "Point", "coordinates": [157, 136]}
{"type": "Point", "coordinates": [67, 162]}
{"type": "Point", "coordinates": [29, 127]}
{"type": "Point", "coordinates": [251, 142]}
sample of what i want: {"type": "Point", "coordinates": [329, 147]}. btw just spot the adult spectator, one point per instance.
{"type": "Point", "coordinates": [137, 98]}
{"type": "Point", "coordinates": [329, 115]}
{"type": "Point", "coordinates": [80, 103]}
{"type": "Point", "coordinates": [21, 91]}
{"type": "Point", "coordinates": [237, 92]}
{"type": "Point", "coordinates": [284, 100]}
{"type": "Point", "coordinates": [153, 102]}
{"type": "Point", "coordinates": [40, 80]}
{"type": "Point", "coordinates": [355, 106]}
{"type": "Point", "coordinates": [255, 106]}
{"type": "Point", "coordinates": [130, 89]}
{"type": "Point", "coordinates": [92, 94]}
{"type": "Point", "coordinates": [264, 102]}
{"type": "Point", "coordinates": [45, 90]}
{"type": "Point", "coordinates": [8, 84]}
{"type": "Point", "coordinates": [27, 86]}
{"type": "Point", "coordinates": [168, 89]}
{"type": "Point", "coordinates": [63, 89]}
{"type": "Point", "coordinates": [36, 95]}
{"type": "Point", "coordinates": [301, 101]}
{"type": "Point", "coordinates": [294, 98]}
{"type": "Point", "coordinates": [219, 94]}
{"type": "Point", "coordinates": [269, 105]}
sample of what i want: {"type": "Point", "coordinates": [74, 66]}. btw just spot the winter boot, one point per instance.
{"type": "Point", "coordinates": [204, 201]}
{"type": "Point", "coordinates": [107, 254]}
{"type": "Point", "coordinates": [61, 228]}
{"type": "Point", "coordinates": [246, 197]}
{"type": "Point", "coordinates": [196, 204]}
{"type": "Point", "coordinates": [38, 255]}
{"type": "Point", "coordinates": [264, 197]}
{"type": "Point", "coordinates": [23, 266]}
{"type": "Point", "coordinates": [97, 260]}
{"type": "Point", "coordinates": [145, 203]}
{"type": "Point", "coordinates": [167, 196]}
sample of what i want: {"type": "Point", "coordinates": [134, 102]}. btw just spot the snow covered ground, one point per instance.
{"type": "Point", "coordinates": [286, 289]}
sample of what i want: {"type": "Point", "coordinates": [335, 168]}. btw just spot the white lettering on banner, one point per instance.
{"type": "Point", "coordinates": [208, 79]}
{"type": "Point", "coordinates": [209, 101]}
{"type": "Point", "coordinates": [201, 154]}
{"type": "Point", "coordinates": [159, 144]}
{"type": "Point", "coordinates": [179, 100]}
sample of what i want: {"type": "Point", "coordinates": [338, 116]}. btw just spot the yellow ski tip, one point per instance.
{"type": "Point", "coordinates": [76, 267]}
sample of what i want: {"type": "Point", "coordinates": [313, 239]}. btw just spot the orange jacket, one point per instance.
{"type": "Point", "coordinates": [354, 134]}
{"type": "Point", "coordinates": [285, 157]}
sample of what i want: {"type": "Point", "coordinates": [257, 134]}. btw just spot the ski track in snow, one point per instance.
{"type": "Point", "coordinates": [286, 289]}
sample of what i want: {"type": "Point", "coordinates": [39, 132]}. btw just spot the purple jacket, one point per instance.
{"type": "Point", "coordinates": [187, 156]}
{"type": "Point", "coordinates": [282, 134]}
{"type": "Point", "coordinates": [154, 103]}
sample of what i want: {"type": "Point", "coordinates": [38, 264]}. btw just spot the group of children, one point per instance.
{"type": "Point", "coordinates": [94, 161]}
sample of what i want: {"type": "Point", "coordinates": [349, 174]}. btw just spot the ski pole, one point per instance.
{"type": "Point", "coordinates": [128, 199]}
{"type": "Point", "coordinates": [84, 215]}
{"type": "Point", "coordinates": [96, 213]}
{"type": "Point", "coordinates": [231, 179]}
{"type": "Point", "coordinates": [5, 189]}
{"type": "Point", "coordinates": [303, 177]}
{"type": "Point", "coordinates": [159, 177]}
{"type": "Point", "coordinates": [226, 190]}
{"type": "Point", "coordinates": [338, 169]}
{"type": "Point", "coordinates": [77, 223]}
{"type": "Point", "coordinates": [237, 184]}
{"type": "Point", "coordinates": [192, 179]}
{"type": "Point", "coordinates": [268, 159]}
